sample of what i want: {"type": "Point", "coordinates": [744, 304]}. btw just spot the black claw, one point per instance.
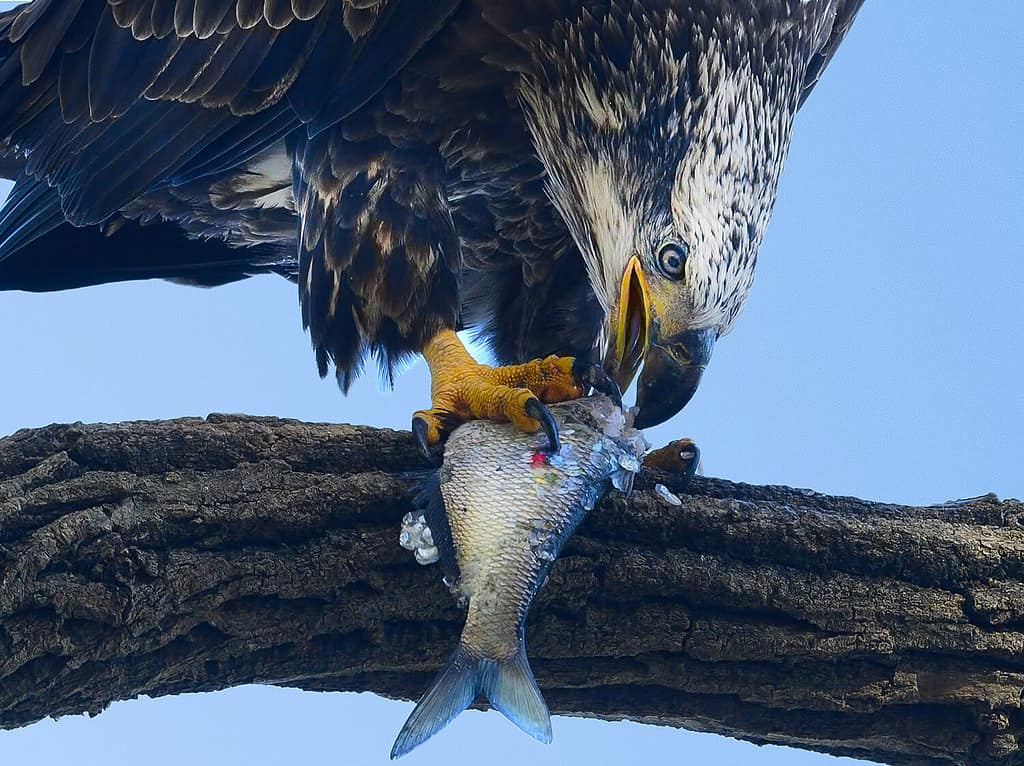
{"type": "Point", "coordinates": [595, 376]}
{"type": "Point", "coordinates": [419, 431]}
{"type": "Point", "coordinates": [539, 412]}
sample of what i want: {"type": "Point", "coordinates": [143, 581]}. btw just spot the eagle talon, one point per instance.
{"type": "Point", "coordinates": [420, 429]}
{"type": "Point", "coordinates": [462, 389]}
{"type": "Point", "coordinates": [595, 376]}
{"type": "Point", "coordinates": [536, 410]}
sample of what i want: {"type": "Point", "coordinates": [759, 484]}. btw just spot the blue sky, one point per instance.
{"type": "Point", "coordinates": [880, 355]}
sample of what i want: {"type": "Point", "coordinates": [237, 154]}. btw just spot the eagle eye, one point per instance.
{"type": "Point", "coordinates": [672, 259]}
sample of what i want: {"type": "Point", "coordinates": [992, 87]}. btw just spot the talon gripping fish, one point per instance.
{"type": "Point", "coordinates": [497, 515]}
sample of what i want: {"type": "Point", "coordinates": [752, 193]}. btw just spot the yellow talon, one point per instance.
{"type": "Point", "coordinates": [463, 389]}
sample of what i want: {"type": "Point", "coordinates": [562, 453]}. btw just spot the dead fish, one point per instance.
{"type": "Point", "coordinates": [497, 515]}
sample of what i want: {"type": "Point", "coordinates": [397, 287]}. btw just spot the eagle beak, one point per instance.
{"type": "Point", "coordinates": [632, 325]}
{"type": "Point", "coordinates": [671, 375]}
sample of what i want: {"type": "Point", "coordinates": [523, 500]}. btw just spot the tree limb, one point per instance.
{"type": "Point", "coordinates": [192, 555]}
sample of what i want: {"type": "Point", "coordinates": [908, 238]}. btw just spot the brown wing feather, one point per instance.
{"type": "Point", "coordinates": [197, 78]}
{"type": "Point", "coordinates": [379, 258]}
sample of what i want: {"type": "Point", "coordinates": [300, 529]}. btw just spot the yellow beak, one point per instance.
{"type": "Point", "coordinates": [632, 325]}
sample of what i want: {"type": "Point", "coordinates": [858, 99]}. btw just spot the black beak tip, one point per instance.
{"type": "Point", "coordinates": [669, 381]}
{"type": "Point", "coordinates": [656, 404]}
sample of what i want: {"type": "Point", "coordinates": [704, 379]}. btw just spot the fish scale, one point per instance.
{"type": "Point", "coordinates": [499, 512]}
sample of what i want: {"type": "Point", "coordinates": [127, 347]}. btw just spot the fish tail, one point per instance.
{"type": "Point", "coordinates": [452, 692]}
{"type": "Point", "coordinates": [508, 684]}
{"type": "Point", "coordinates": [512, 690]}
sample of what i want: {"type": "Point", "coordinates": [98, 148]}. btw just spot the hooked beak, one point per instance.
{"type": "Point", "coordinates": [671, 375]}
{"type": "Point", "coordinates": [632, 325]}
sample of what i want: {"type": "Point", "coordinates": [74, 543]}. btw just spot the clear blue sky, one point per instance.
{"type": "Point", "coordinates": [880, 355]}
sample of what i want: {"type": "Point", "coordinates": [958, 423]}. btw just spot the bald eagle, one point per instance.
{"type": "Point", "coordinates": [584, 183]}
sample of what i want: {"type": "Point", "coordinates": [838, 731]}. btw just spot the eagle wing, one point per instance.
{"type": "Point", "coordinates": [845, 13]}
{"type": "Point", "coordinates": [216, 229]}
{"type": "Point", "coordinates": [108, 100]}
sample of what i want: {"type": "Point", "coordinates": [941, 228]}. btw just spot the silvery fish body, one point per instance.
{"type": "Point", "coordinates": [497, 516]}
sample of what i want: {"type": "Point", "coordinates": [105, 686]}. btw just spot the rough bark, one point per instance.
{"type": "Point", "coordinates": [158, 558]}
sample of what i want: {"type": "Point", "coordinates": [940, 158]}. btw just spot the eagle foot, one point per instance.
{"type": "Point", "coordinates": [463, 389]}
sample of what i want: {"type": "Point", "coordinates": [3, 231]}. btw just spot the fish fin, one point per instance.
{"type": "Point", "coordinates": [430, 502]}
{"type": "Point", "coordinates": [512, 690]}
{"type": "Point", "coordinates": [508, 685]}
{"type": "Point", "coordinates": [453, 690]}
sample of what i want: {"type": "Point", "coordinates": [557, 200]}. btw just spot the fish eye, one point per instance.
{"type": "Point", "coordinates": [672, 259]}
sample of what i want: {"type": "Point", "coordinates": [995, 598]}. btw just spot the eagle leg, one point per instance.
{"type": "Point", "coordinates": [463, 389]}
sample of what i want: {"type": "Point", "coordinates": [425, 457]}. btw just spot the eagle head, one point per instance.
{"type": "Point", "coordinates": [663, 154]}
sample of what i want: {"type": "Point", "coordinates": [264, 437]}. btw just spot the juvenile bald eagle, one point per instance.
{"type": "Point", "coordinates": [585, 183]}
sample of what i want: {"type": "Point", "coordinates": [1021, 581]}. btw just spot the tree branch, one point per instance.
{"type": "Point", "coordinates": [191, 555]}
